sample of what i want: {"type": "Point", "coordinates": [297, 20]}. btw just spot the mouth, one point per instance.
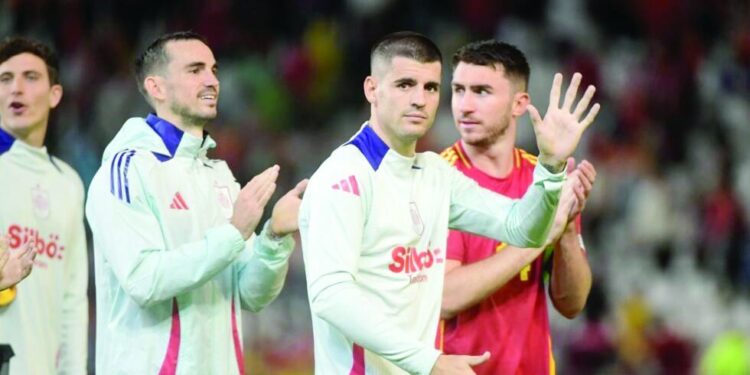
{"type": "Point", "coordinates": [17, 107]}
{"type": "Point", "coordinates": [467, 123]}
{"type": "Point", "coordinates": [208, 96]}
{"type": "Point", "coordinates": [416, 116]}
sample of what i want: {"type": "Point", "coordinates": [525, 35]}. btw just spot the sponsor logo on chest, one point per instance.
{"type": "Point", "coordinates": [40, 202]}
{"type": "Point", "coordinates": [49, 248]}
{"type": "Point", "coordinates": [414, 263]}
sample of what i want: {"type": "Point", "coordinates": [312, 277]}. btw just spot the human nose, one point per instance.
{"type": "Point", "coordinates": [211, 79]}
{"type": "Point", "coordinates": [466, 103]}
{"type": "Point", "coordinates": [418, 98]}
{"type": "Point", "coordinates": [16, 86]}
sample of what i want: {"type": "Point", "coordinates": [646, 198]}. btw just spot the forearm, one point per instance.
{"type": "Point", "coordinates": [571, 275]}
{"type": "Point", "coordinates": [522, 223]}
{"type": "Point", "coordinates": [467, 285]}
{"type": "Point", "coordinates": [263, 271]}
{"type": "Point", "coordinates": [361, 319]}
{"type": "Point", "coordinates": [151, 275]}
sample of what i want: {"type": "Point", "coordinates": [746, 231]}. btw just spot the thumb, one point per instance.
{"type": "Point", "coordinates": [571, 165]}
{"type": "Point", "coordinates": [536, 119]}
{"type": "Point", "coordinates": [474, 360]}
{"type": "Point", "coordinates": [300, 188]}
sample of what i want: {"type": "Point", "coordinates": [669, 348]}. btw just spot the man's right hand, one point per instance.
{"type": "Point", "coordinates": [458, 364]}
{"type": "Point", "coordinates": [248, 208]}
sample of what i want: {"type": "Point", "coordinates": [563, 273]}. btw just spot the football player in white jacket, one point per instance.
{"type": "Point", "coordinates": [374, 221]}
{"type": "Point", "coordinates": [45, 317]}
{"type": "Point", "coordinates": [174, 251]}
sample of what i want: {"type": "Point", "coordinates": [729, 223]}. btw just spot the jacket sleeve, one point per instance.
{"type": "Point", "coordinates": [127, 229]}
{"type": "Point", "coordinates": [262, 269]}
{"type": "Point", "coordinates": [332, 225]}
{"type": "Point", "coordinates": [75, 311]}
{"type": "Point", "coordinates": [521, 223]}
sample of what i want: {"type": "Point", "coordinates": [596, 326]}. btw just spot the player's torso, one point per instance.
{"type": "Point", "coordinates": [190, 196]}
{"type": "Point", "coordinates": [517, 311]}
{"type": "Point", "coordinates": [40, 205]}
{"type": "Point", "coordinates": [403, 255]}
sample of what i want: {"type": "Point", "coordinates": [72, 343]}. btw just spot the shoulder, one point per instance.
{"type": "Point", "coordinates": [346, 169]}
{"type": "Point", "coordinates": [525, 159]}
{"type": "Point", "coordinates": [346, 158]}
{"type": "Point", "coordinates": [451, 154]}
{"type": "Point", "coordinates": [69, 174]}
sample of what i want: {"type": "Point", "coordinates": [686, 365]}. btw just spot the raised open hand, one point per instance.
{"type": "Point", "coordinates": [558, 134]}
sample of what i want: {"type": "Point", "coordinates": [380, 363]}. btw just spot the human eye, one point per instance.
{"type": "Point", "coordinates": [482, 91]}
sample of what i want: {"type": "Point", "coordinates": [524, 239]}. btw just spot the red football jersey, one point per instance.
{"type": "Point", "coordinates": [512, 323]}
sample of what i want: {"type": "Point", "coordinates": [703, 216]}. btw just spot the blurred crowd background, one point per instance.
{"type": "Point", "coordinates": [666, 228]}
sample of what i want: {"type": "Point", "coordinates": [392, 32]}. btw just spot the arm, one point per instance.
{"type": "Point", "coordinates": [263, 270]}
{"type": "Point", "coordinates": [467, 285]}
{"type": "Point", "coordinates": [522, 223]}
{"type": "Point", "coordinates": [571, 274]}
{"type": "Point", "coordinates": [332, 225]}
{"type": "Point", "coordinates": [75, 306]}
{"type": "Point", "coordinates": [129, 236]}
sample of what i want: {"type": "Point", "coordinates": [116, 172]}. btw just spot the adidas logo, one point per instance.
{"type": "Point", "coordinates": [348, 185]}
{"type": "Point", "coordinates": [178, 203]}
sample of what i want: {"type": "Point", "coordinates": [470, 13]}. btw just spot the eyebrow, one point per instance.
{"type": "Point", "coordinates": [23, 73]}
{"type": "Point", "coordinates": [433, 84]}
{"type": "Point", "coordinates": [199, 64]}
{"type": "Point", "coordinates": [410, 81]}
{"type": "Point", "coordinates": [473, 87]}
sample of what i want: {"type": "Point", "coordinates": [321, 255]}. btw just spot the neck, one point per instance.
{"type": "Point", "coordinates": [494, 158]}
{"type": "Point", "coordinates": [192, 128]}
{"type": "Point", "coordinates": [403, 147]}
{"type": "Point", "coordinates": [34, 136]}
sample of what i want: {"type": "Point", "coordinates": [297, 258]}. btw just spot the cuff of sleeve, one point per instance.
{"type": "Point", "coordinates": [550, 181]}
{"type": "Point", "coordinates": [226, 237]}
{"type": "Point", "coordinates": [272, 247]}
{"type": "Point", "coordinates": [425, 360]}
{"type": "Point", "coordinates": [541, 173]}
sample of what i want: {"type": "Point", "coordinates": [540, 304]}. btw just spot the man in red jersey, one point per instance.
{"type": "Point", "coordinates": [493, 297]}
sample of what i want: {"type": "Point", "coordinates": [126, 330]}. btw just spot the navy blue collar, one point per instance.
{"type": "Point", "coordinates": [371, 146]}
{"type": "Point", "coordinates": [169, 134]}
{"type": "Point", "coordinates": [6, 141]}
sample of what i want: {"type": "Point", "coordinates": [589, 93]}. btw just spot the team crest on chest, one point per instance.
{"type": "Point", "coordinates": [40, 201]}
{"type": "Point", "coordinates": [224, 198]}
{"type": "Point", "coordinates": [416, 218]}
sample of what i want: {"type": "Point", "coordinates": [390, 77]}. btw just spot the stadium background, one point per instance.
{"type": "Point", "coordinates": [666, 226]}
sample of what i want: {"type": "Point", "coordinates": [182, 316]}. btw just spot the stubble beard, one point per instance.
{"type": "Point", "coordinates": [490, 136]}
{"type": "Point", "coordinates": [191, 117]}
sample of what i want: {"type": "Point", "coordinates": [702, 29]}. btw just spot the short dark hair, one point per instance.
{"type": "Point", "coordinates": [155, 55]}
{"type": "Point", "coordinates": [491, 53]}
{"type": "Point", "coordinates": [406, 44]}
{"type": "Point", "coordinates": [16, 45]}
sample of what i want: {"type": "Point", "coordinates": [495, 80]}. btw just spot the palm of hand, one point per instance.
{"type": "Point", "coordinates": [560, 131]}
